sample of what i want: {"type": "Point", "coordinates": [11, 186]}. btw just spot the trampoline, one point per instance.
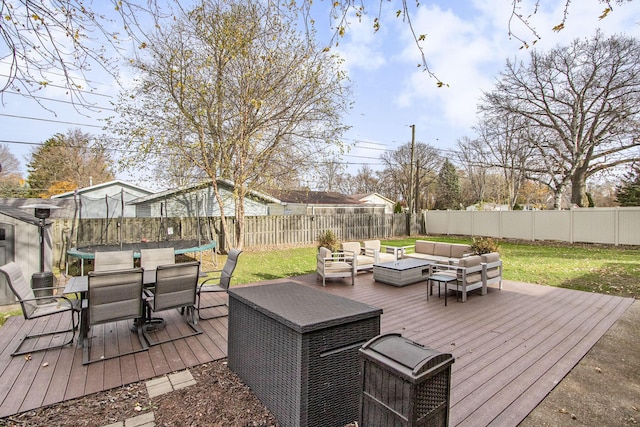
{"type": "Point", "coordinates": [180, 247]}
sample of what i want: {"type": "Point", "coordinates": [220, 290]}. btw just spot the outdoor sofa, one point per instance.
{"type": "Point", "coordinates": [447, 253]}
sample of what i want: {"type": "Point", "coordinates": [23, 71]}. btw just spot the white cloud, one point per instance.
{"type": "Point", "coordinates": [362, 47]}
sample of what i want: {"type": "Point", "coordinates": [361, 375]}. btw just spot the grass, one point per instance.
{"type": "Point", "coordinates": [591, 268]}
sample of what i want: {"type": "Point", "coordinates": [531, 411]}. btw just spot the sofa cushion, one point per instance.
{"type": "Point", "coordinates": [372, 244]}
{"type": "Point", "coordinates": [424, 247]}
{"type": "Point", "coordinates": [459, 250]}
{"type": "Point", "coordinates": [340, 267]}
{"type": "Point", "coordinates": [490, 257]}
{"type": "Point", "coordinates": [351, 247]}
{"type": "Point", "coordinates": [323, 253]}
{"type": "Point", "coordinates": [469, 262]}
{"type": "Point", "coordinates": [442, 250]}
{"type": "Point", "coordinates": [364, 260]}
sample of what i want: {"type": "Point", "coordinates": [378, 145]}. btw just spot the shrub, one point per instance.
{"type": "Point", "coordinates": [328, 240]}
{"type": "Point", "coordinates": [484, 245]}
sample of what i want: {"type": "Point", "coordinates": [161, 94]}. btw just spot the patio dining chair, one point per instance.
{"type": "Point", "coordinates": [112, 260]}
{"type": "Point", "coordinates": [38, 307]}
{"type": "Point", "coordinates": [218, 283]}
{"type": "Point", "coordinates": [175, 287]}
{"type": "Point", "coordinates": [150, 259]}
{"type": "Point", "coordinates": [113, 296]}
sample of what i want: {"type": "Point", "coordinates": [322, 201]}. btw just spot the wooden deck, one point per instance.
{"type": "Point", "coordinates": [511, 347]}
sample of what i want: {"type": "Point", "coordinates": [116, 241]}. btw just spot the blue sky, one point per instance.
{"type": "Point", "coordinates": [467, 45]}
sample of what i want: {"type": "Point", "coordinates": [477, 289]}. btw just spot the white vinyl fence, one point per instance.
{"type": "Point", "coordinates": [617, 226]}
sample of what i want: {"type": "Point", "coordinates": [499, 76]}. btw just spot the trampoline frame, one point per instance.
{"type": "Point", "coordinates": [85, 255]}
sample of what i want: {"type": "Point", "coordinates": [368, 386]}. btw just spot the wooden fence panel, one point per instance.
{"type": "Point", "coordinates": [260, 231]}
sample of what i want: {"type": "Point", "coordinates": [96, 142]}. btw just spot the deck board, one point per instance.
{"type": "Point", "coordinates": [511, 346]}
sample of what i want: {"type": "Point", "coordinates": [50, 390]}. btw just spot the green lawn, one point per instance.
{"type": "Point", "coordinates": [592, 268]}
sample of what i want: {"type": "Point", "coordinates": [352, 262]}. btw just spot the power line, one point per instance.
{"type": "Point", "coordinates": [61, 87]}
{"type": "Point", "coordinates": [55, 100]}
{"type": "Point", "coordinates": [50, 121]}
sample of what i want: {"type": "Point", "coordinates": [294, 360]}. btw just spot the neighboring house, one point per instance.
{"type": "Point", "coordinates": [486, 206]}
{"type": "Point", "coordinates": [376, 199]}
{"type": "Point", "coordinates": [200, 200]}
{"type": "Point", "coordinates": [105, 200]}
{"type": "Point", "coordinates": [307, 202]}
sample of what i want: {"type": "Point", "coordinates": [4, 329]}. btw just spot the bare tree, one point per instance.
{"type": "Point", "coordinates": [397, 169]}
{"type": "Point", "coordinates": [328, 174]}
{"type": "Point", "coordinates": [581, 107]}
{"type": "Point", "coordinates": [45, 40]}
{"type": "Point", "coordinates": [247, 92]}
{"type": "Point", "coordinates": [10, 176]}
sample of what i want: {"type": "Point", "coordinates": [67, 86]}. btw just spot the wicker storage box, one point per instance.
{"type": "Point", "coordinates": [297, 349]}
{"type": "Point", "coordinates": [404, 384]}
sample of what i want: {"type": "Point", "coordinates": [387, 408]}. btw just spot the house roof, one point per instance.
{"type": "Point", "coordinates": [363, 196]}
{"type": "Point", "coordinates": [188, 188]}
{"type": "Point", "coordinates": [102, 185]}
{"type": "Point", "coordinates": [313, 197]}
{"type": "Point", "coordinates": [14, 208]}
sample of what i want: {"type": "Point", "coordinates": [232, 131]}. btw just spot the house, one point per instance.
{"type": "Point", "coordinates": [107, 200]}
{"type": "Point", "coordinates": [200, 200]}
{"type": "Point", "coordinates": [307, 202]}
{"type": "Point", "coordinates": [376, 199]}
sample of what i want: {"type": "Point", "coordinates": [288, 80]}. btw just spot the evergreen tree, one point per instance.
{"type": "Point", "coordinates": [67, 162]}
{"type": "Point", "coordinates": [628, 193]}
{"type": "Point", "coordinates": [449, 190]}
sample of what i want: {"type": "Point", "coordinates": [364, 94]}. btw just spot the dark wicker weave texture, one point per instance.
{"type": "Point", "coordinates": [400, 396]}
{"type": "Point", "coordinates": [297, 348]}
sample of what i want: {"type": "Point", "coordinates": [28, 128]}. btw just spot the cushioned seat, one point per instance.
{"type": "Point", "coordinates": [493, 268]}
{"type": "Point", "coordinates": [362, 260]}
{"type": "Point", "coordinates": [373, 247]}
{"type": "Point", "coordinates": [334, 264]}
{"type": "Point", "coordinates": [469, 274]}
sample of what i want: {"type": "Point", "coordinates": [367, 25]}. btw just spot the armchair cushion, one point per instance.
{"type": "Point", "coordinates": [335, 264]}
{"type": "Point", "coordinates": [363, 260]}
{"type": "Point", "coordinates": [375, 248]}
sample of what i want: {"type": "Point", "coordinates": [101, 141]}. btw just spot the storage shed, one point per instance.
{"type": "Point", "coordinates": [20, 242]}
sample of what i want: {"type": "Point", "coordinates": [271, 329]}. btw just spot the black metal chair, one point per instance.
{"type": "Point", "coordinates": [113, 296]}
{"type": "Point", "coordinates": [37, 307]}
{"type": "Point", "coordinates": [175, 287]}
{"type": "Point", "coordinates": [220, 282]}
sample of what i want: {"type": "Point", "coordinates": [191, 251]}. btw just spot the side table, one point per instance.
{"type": "Point", "coordinates": [440, 278]}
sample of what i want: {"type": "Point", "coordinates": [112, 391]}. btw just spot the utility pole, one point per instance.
{"type": "Point", "coordinates": [413, 146]}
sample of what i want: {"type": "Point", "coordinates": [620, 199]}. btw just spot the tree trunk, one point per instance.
{"type": "Point", "coordinates": [579, 189]}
